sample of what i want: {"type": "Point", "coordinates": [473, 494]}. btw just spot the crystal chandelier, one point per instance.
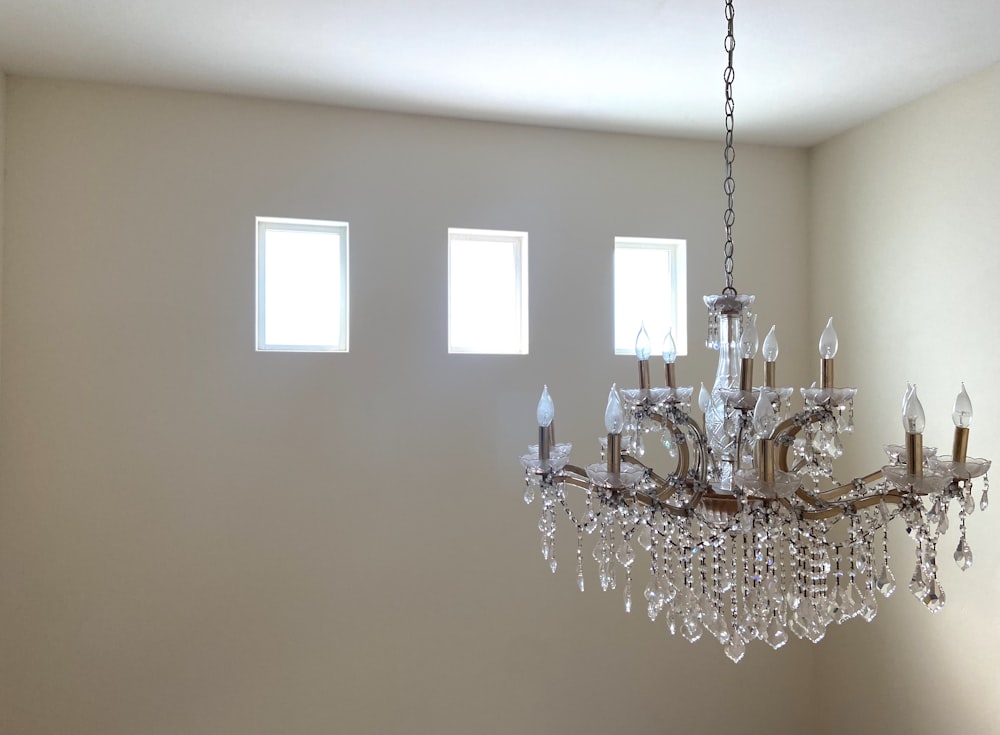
{"type": "Point", "coordinates": [749, 536]}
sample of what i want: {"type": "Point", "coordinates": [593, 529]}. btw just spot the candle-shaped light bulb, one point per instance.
{"type": "Point", "coordinates": [614, 417]}
{"type": "Point", "coordinates": [828, 342]}
{"type": "Point", "coordinates": [669, 348]}
{"type": "Point", "coordinates": [771, 346]}
{"type": "Point", "coordinates": [749, 341]}
{"type": "Point", "coordinates": [913, 412]}
{"type": "Point", "coordinates": [642, 343]}
{"type": "Point", "coordinates": [546, 409]}
{"type": "Point", "coordinates": [704, 399]}
{"type": "Point", "coordinates": [962, 413]}
{"type": "Point", "coordinates": [764, 416]}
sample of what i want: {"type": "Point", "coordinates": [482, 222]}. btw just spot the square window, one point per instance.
{"type": "Point", "coordinates": [302, 285]}
{"type": "Point", "coordinates": [487, 292]}
{"type": "Point", "coordinates": [651, 289]}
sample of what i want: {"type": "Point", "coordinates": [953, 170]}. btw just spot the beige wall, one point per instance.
{"type": "Point", "coordinates": [905, 253]}
{"type": "Point", "coordinates": [198, 538]}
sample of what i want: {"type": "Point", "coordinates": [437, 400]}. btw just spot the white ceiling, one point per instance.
{"type": "Point", "coordinates": [805, 69]}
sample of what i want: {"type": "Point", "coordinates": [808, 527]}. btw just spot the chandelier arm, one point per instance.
{"type": "Point", "coordinates": [655, 502]}
{"type": "Point", "coordinates": [675, 483]}
{"type": "Point", "coordinates": [837, 492]}
{"type": "Point", "coordinates": [702, 452]}
{"type": "Point", "coordinates": [835, 511]}
{"type": "Point", "coordinates": [696, 498]}
{"type": "Point", "coordinates": [666, 486]}
{"type": "Point", "coordinates": [578, 477]}
{"type": "Point", "coordinates": [781, 455]}
{"type": "Point", "coordinates": [683, 452]}
{"type": "Point", "coordinates": [808, 498]}
{"type": "Point", "coordinates": [679, 512]}
{"type": "Point", "coordinates": [818, 515]}
{"type": "Point", "coordinates": [786, 503]}
{"type": "Point", "coordinates": [870, 500]}
{"type": "Point", "coordinates": [798, 466]}
{"type": "Point", "coordinates": [673, 419]}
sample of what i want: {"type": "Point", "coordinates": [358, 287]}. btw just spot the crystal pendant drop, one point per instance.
{"type": "Point", "coordinates": [529, 494]}
{"type": "Point", "coordinates": [984, 502]}
{"type": "Point", "coordinates": [672, 621]}
{"type": "Point", "coordinates": [943, 525]}
{"type": "Point", "coordinates": [602, 552]}
{"type": "Point", "coordinates": [815, 632]}
{"type": "Point", "coordinates": [836, 605]}
{"type": "Point", "coordinates": [691, 631]}
{"type": "Point", "coordinates": [651, 592]}
{"type": "Point", "coordinates": [776, 635]}
{"type": "Point", "coordinates": [666, 591]}
{"type": "Point", "coordinates": [968, 502]}
{"type": "Point", "coordinates": [935, 599]}
{"type": "Point", "coordinates": [553, 564]}
{"type": "Point", "coordinates": [652, 610]}
{"type": "Point", "coordinates": [645, 538]}
{"type": "Point", "coordinates": [792, 599]}
{"type": "Point", "coordinates": [721, 632]}
{"type": "Point", "coordinates": [869, 607]}
{"type": "Point", "coordinates": [796, 626]}
{"type": "Point", "coordinates": [735, 648]}
{"type": "Point", "coordinates": [628, 597]}
{"type": "Point", "coordinates": [605, 578]}
{"type": "Point", "coordinates": [934, 514]}
{"type": "Point", "coordinates": [918, 585]}
{"type": "Point", "coordinates": [625, 554]}
{"type": "Point", "coordinates": [963, 554]}
{"type": "Point", "coordinates": [886, 582]}
{"type": "Point", "coordinates": [773, 590]}
{"type": "Point", "coordinates": [852, 601]}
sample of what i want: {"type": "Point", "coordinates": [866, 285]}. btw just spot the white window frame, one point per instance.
{"type": "Point", "coordinates": [676, 250]}
{"type": "Point", "coordinates": [520, 265]}
{"type": "Point", "coordinates": [266, 224]}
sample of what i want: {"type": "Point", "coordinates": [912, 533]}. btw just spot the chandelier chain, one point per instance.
{"type": "Point", "coordinates": [729, 185]}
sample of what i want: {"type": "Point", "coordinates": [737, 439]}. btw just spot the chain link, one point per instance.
{"type": "Point", "coordinates": [728, 184]}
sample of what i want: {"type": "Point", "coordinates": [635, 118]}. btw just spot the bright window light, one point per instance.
{"type": "Point", "coordinates": [650, 289]}
{"type": "Point", "coordinates": [487, 292]}
{"type": "Point", "coordinates": [302, 295]}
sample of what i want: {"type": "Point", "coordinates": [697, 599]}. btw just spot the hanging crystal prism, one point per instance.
{"type": "Point", "coordinates": [935, 598]}
{"type": "Point", "coordinates": [886, 582]}
{"type": "Point", "coordinates": [735, 648]}
{"type": "Point", "coordinates": [963, 554]}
